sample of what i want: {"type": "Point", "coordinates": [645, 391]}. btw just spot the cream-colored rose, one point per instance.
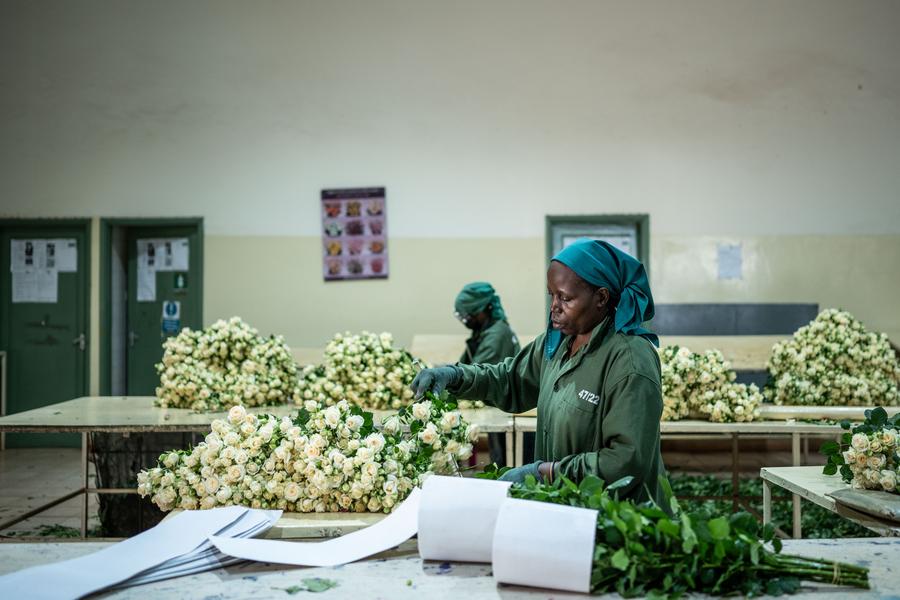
{"type": "Point", "coordinates": [422, 410]}
{"type": "Point", "coordinates": [375, 442]}
{"type": "Point", "coordinates": [859, 442]}
{"type": "Point", "coordinates": [236, 414]}
{"type": "Point", "coordinates": [428, 434]}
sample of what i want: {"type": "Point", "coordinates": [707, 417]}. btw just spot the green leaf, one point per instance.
{"type": "Point", "coordinates": [845, 424]}
{"type": "Point", "coordinates": [830, 447]}
{"type": "Point", "coordinates": [719, 528]}
{"type": "Point", "coordinates": [830, 469]}
{"type": "Point", "coordinates": [688, 537]}
{"type": "Point", "coordinates": [620, 559]}
{"type": "Point", "coordinates": [620, 483]}
{"type": "Point", "coordinates": [318, 584]}
{"type": "Point", "coordinates": [591, 485]}
{"type": "Point", "coordinates": [878, 416]}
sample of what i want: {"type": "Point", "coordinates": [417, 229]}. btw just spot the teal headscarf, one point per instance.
{"type": "Point", "coordinates": [603, 265]}
{"type": "Point", "coordinates": [476, 297]}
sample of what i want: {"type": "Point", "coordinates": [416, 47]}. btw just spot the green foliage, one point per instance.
{"type": "Point", "coordinates": [642, 549]}
{"type": "Point", "coordinates": [817, 522]}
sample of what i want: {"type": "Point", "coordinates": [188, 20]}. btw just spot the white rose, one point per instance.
{"type": "Point", "coordinates": [391, 426]}
{"type": "Point", "coordinates": [291, 491]}
{"type": "Point", "coordinates": [472, 433]}
{"type": "Point", "coordinates": [422, 410]}
{"type": "Point", "coordinates": [876, 462]}
{"type": "Point", "coordinates": [860, 442]}
{"type": "Point", "coordinates": [171, 460]}
{"type": "Point", "coordinates": [888, 480]}
{"type": "Point", "coordinates": [428, 434]}
{"type": "Point", "coordinates": [354, 422]}
{"type": "Point", "coordinates": [449, 421]}
{"type": "Point", "coordinates": [236, 414]}
{"type": "Point", "coordinates": [375, 442]}
{"type": "Point", "coordinates": [211, 485]}
{"type": "Point", "coordinates": [332, 416]}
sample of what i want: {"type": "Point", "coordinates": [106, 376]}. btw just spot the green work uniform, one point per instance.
{"type": "Point", "coordinates": [598, 411]}
{"type": "Point", "coordinates": [491, 345]}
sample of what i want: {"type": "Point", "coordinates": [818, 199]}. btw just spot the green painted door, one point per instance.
{"type": "Point", "coordinates": [163, 297]}
{"type": "Point", "coordinates": [43, 326]}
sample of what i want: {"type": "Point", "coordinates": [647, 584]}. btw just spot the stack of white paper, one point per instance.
{"type": "Point", "coordinates": [388, 533]}
{"type": "Point", "coordinates": [177, 546]}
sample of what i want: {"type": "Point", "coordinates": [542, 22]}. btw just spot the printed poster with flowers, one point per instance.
{"type": "Point", "coordinates": [354, 234]}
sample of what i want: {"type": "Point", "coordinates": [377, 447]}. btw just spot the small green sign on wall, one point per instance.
{"type": "Point", "coordinates": [180, 281]}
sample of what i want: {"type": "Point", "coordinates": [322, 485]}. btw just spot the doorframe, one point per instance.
{"type": "Point", "coordinates": [84, 283]}
{"type": "Point", "coordinates": [641, 221]}
{"type": "Point", "coordinates": [106, 227]}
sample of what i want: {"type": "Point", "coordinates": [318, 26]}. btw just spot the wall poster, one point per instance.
{"type": "Point", "coordinates": [354, 234]}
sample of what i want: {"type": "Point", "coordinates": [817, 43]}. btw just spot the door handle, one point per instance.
{"type": "Point", "coordinates": [132, 338]}
{"type": "Point", "coordinates": [80, 341]}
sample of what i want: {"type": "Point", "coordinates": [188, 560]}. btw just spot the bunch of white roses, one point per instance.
{"type": "Point", "coordinates": [702, 385]}
{"type": "Point", "coordinates": [873, 460]}
{"type": "Point", "coordinates": [365, 369]}
{"type": "Point", "coordinates": [835, 361]}
{"type": "Point", "coordinates": [225, 365]}
{"type": "Point", "coordinates": [325, 458]}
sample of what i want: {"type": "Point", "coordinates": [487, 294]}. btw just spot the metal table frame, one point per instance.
{"type": "Point", "coordinates": [813, 485]}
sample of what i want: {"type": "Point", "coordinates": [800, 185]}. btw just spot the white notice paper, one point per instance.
{"type": "Point", "coordinates": [388, 533]}
{"type": "Point", "coordinates": [35, 285]}
{"type": "Point", "coordinates": [160, 254]}
{"type": "Point", "coordinates": [731, 261]}
{"type": "Point", "coordinates": [62, 255]}
{"type": "Point", "coordinates": [457, 517]}
{"type": "Point", "coordinates": [87, 574]}
{"type": "Point", "coordinates": [544, 545]}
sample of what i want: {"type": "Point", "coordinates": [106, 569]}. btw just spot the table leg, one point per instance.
{"type": "Point", "coordinates": [520, 449]}
{"type": "Point", "coordinates": [510, 448]}
{"type": "Point", "coordinates": [85, 443]}
{"type": "Point", "coordinates": [734, 472]}
{"type": "Point", "coordinates": [795, 499]}
{"type": "Point", "coordinates": [767, 502]}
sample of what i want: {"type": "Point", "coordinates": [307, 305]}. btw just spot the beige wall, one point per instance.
{"type": "Point", "coordinates": [276, 285]}
{"type": "Point", "coordinates": [773, 124]}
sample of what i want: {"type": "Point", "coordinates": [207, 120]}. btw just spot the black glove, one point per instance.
{"type": "Point", "coordinates": [436, 380]}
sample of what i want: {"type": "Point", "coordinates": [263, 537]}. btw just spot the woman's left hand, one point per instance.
{"type": "Point", "coordinates": [518, 474]}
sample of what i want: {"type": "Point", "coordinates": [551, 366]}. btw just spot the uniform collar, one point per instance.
{"type": "Point", "coordinates": [598, 335]}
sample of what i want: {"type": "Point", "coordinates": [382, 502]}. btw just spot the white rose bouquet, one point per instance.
{"type": "Point", "coordinates": [834, 361]}
{"type": "Point", "coordinates": [868, 456]}
{"type": "Point", "coordinates": [324, 458]}
{"type": "Point", "coordinates": [225, 365]}
{"type": "Point", "coordinates": [702, 385]}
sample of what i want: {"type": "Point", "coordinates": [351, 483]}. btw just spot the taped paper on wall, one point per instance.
{"type": "Point", "coordinates": [49, 254]}
{"type": "Point", "coordinates": [155, 255]}
{"type": "Point", "coordinates": [35, 285]}
{"type": "Point", "coordinates": [443, 535]}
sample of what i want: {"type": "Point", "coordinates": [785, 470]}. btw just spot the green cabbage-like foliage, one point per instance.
{"type": "Point", "coordinates": [226, 364]}
{"type": "Point", "coordinates": [834, 361]}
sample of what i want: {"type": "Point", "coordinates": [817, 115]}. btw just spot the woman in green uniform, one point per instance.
{"type": "Point", "coordinates": [492, 341]}
{"type": "Point", "coordinates": [594, 375]}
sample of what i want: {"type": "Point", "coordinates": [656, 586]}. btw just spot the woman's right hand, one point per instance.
{"type": "Point", "coordinates": [435, 380]}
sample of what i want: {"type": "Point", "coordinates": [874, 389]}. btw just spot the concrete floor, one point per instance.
{"type": "Point", "coordinates": [30, 477]}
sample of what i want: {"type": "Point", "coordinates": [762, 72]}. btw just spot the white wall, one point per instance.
{"type": "Point", "coordinates": [752, 117]}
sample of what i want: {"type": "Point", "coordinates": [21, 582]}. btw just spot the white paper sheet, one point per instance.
{"type": "Point", "coordinates": [159, 255]}
{"type": "Point", "coordinates": [81, 576]}
{"type": "Point", "coordinates": [457, 518]}
{"type": "Point", "coordinates": [388, 533]}
{"type": "Point", "coordinates": [146, 278]}
{"type": "Point", "coordinates": [64, 253]}
{"type": "Point", "coordinates": [35, 285]}
{"type": "Point", "coordinates": [207, 557]}
{"type": "Point", "coordinates": [26, 255]}
{"type": "Point", "coordinates": [544, 545]}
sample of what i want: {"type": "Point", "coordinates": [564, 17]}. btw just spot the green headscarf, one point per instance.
{"type": "Point", "coordinates": [603, 265]}
{"type": "Point", "coordinates": [475, 297]}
